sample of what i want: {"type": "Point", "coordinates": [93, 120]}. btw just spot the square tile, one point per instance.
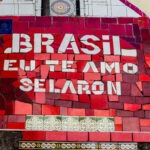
{"type": "Point", "coordinates": [52, 123]}
{"type": "Point", "coordinates": [62, 8]}
{"type": "Point", "coordinates": [34, 122]}
{"type": "Point", "coordinates": [88, 124]}
{"type": "Point", "coordinates": [105, 124]}
{"type": "Point", "coordinates": [5, 26]}
{"type": "Point", "coordinates": [70, 123]}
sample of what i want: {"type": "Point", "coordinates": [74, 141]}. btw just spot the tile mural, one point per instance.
{"type": "Point", "coordinates": [73, 73]}
{"type": "Point", "coordinates": [70, 123]}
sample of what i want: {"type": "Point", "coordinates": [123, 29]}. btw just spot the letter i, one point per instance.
{"type": "Point", "coordinates": [106, 45]}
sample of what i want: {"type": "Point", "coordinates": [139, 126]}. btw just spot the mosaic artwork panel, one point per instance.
{"type": "Point", "coordinates": [68, 66]}
{"type": "Point", "coordinates": [73, 123]}
{"type": "Point", "coordinates": [62, 7]}
{"type": "Point", "coordinates": [74, 146]}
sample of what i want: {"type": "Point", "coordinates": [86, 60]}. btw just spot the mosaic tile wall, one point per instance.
{"type": "Point", "coordinates": [20, 7]}
{"type": "Point", "coordinates": [122, 94]}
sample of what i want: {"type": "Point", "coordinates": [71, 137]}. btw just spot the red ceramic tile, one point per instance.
{"type": "Point", "coordinates": [92, 23]}
{"type": "Point", "coordinates": [82, 57]}
{"type": "Point", "coordinates": [118, 120]}
{"type": "Point", "coordinates": [115, 105]}
{"type": "Point", "coordinates": [141, 137]}
{"type": "Point", "coordinates": [109, 20]}
{"type": "Point", "coordinates": [125, 20]}
{"type": "Point", "coordinates": [21, 108]}
{"type": "Point", "coordinates": [131, 124]}
{"type": "Point", "coordinates": [17, 125]}
{"type": "Point", "coordinates": [139, 85]}
{"type": "Point", "coordinates": [144, 78]}
{"type": "Point", "coordinates": [6, 74]}
{"type": "Point", "coordinates": [69, 27]}
{"type": "Point", "coordinates": [50, 110]}
{"type": "Point", "coordinates": [62, 103]}
{"type": "Point", "coordinates": [111, 58]}
{"type": "Point", "coordinates": [101, 113]}
{"type": "Point", "coordinates": [81, 105]}
{"type": "Point", "coordinates": [145, 122]}
{"type": "Point", "coordinates": [121, 137]}
{"type": "Point", "coordinates": [99, 136]}
{"type": "Point", "coordinates": [72, 97]}
{"type": "Point", "coordinates": [58, 56]}
{"type": "Point", "coordinates": [147, 114]}
{"type": "Point", "coordinates": [84, 98]}
{"type": "Point", "coordinates": [109, 78]}
{"type": "Point", "coordinates": [58, 75]}
{"type": "Point", "coordinates": [37, 109]}
{"type": "Point", "coordinates": [142, 100]}
{"type": "Point", "coordinates": [112, 112]}
{"type": "Point", "coordinates": [118, 127]}
{"type": "Point", "coordinates": [56, 136]}
{"type": "Point", "coordinates": [139, 114]}
{"type": "Point", "coordinates": [117, 29]}
{"type": "Point", "coordinates": [16, 118]}
{"type": "Point", "coordinates": [33, 135]}
{"type": "Point", "coordinates": [20, 27]}
{"type": "Point", "coordinates": [91, 76]}
{"type": "Point", "coordinates": [146, 107]}
{"type": "Point", "coordinates": [78, 76]}
{"type": "Point", "coordinates": [132, 107]}
{"type": "Point", "coordinates": [122, 113]}
{"type": "Point", "coordinates": [74, 136]}
{"type": "Point", "coordinates": [89, 112]}
{"type": "Point", "coordinates": [99, 102]}
{"type": "Point", "coordinates": [76, 112]}
{"type": "Point", "coordinates": [113, 98]}
{"type": "Point", "coordinates": [145, 129]}
{"type": "Point", "coordinates": [40, 97]}
{"type": "Point", "coordinates": [63, 111]}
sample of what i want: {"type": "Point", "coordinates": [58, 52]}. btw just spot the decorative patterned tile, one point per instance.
{"type": "Point", "coordinates": [76, 145]}
{"type": "Point", "coordinates": [70, 123]}
{"type": "Point", "coordinates": [105, 124]}
{"type": "Point", "coordinates": [88, 124]}
{"type": "Point", "coordinates": [62, 7]}
{"type": "Point", "coordinates": [52, 123]}
{"type": "Point", "coordinates": [34, 122]}
{"type": "Point", "coordinates": [108, 146]}
{"type": "Point", "coordinates": [126, 146]}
